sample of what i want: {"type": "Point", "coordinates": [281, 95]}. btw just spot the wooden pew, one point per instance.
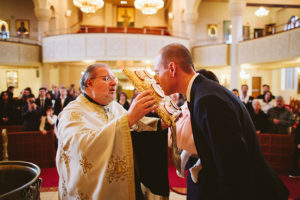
{"type": "Point", "coordinates": [31, 146]}
{"type": "Point", "coordinates": [278, 150]}
{"type": "Point", "coordinates": [12, 128]}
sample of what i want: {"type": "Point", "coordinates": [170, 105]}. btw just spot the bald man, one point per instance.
{"type": "Point", "coordinates": [224, 135]}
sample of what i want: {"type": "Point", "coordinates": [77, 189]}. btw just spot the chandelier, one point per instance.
{"type": "Point", "coordinates": [149, 7]}
{"type": "Point", "coordinates": [89, 6]}
{"type": "Point", "coordinates": [261, 12]}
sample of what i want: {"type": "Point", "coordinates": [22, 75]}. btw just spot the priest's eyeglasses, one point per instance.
{"type": "Point", "coordinates": [107, 78]}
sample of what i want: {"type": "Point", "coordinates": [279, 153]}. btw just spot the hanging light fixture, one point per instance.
{"type": "Point", "coordinates": [261, 12]}
{"type": "Point", "coordinates": [89, 6]}
{"type": "Point", "coordinates": [149, 7]}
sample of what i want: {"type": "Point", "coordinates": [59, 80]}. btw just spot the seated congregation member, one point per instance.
{"type": "Point", "coordinates": [266, 88]}
{"type": "Point", "coordinates": [31, 115]}
{"type": "Point", "coordinates": [6, 109]}
{"type": "Point", "coordinates": [62, 101]}
{"type": "Point", "coordinates": [280, 118]}
{"type": "Point", "coordinates": [48, 120]}
{"type": "Point", "coordinates": [245, 98]}
{"type": "Point", "coordinates": [236, 92]}
{"type": "Point", "coordinates": [122, 100]}
{"type": "Point", "coordinates": [10, 91]}
{"type": "Point", "coordinates": [42, 101]}
{"type": "Point", "coordinates": [95, 157]}
{"type": "Point", "coordinates": [233, 166]}
{"type": "Point", "coordinates": [267, 102]}
{"type": "Point", "coordinates": [19, 104]}
{"type": "Point", "coordinates": [259, 118]}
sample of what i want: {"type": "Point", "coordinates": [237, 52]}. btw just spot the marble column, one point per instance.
{"type": "Point", "coordinates": [190, 18]}
{"type": "Point", "coordinates": [43, 13]}
{"type": "Point", "coordinates": [236, 9]}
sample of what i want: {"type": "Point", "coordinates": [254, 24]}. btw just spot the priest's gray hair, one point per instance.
{"type": "Point", "coordinates": [89, 73]}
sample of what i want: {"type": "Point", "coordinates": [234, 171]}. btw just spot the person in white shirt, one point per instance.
{"type": "Point", "coordinates": [48, 121]}
{"type": "Point", "coordinates": [267, 102]}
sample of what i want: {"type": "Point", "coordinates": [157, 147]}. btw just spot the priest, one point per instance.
{"type": "Point", "coordinates": [95, 156]}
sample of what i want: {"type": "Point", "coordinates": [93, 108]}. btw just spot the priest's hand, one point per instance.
{"type": "Point", "coordinates": [141, 105]}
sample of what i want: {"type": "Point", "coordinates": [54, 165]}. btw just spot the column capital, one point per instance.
{"type": "Point", "coordinates": [190, 17]}
{"type": "Point", "coordinates": [236, 7]}
{"type": "Point", "coordinates": [42, 14]}
{"type": "Point", "coordinates": [42, 3]}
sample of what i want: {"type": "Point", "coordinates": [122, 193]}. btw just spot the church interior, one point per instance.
{"type": "Point", "coordinates": [48, 44]}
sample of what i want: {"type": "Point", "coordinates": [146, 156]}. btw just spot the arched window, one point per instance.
{"type": "Point", "coordinates": [292, 23]}
{"type": "Point", "coordinates": [4, 34]}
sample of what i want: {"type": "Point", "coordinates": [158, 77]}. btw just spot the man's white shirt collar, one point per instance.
{"type": "Point", "coordinates": [189, 88]}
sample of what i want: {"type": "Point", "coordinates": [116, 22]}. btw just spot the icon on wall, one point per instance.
{"type": "Point", "coordinates": [4, 25]}
{"type": "Point", "coordinates": [22, 27]}
{"type": "Point", "coordinates": [212, 31]}
{"type": "Point", "coordinates": [246, 32]}
{"type": "Point", "coordinates": [12, 78]}
{"type": "Point", "coordinates": [227, 31]}
{"type": "Point", "coordinates": [125, 16]}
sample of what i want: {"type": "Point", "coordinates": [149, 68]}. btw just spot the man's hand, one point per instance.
{"type": "Point", "coordinates": [141, 105]}
{"type": "Point", "coordinates": [276, 121]}
{"type": "Point", "coordinates": [44, 132]}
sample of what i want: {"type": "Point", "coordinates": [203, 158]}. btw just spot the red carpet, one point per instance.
{"type": "Point", "coordinates": [50, 179]}
{"type": "Point", "coordinates": [174, 180]}
{"type": "Point", "coordinates": [293, 185]}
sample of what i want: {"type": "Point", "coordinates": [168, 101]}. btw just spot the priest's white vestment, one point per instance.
{"type": "Point", "coordinates": [95, 157]}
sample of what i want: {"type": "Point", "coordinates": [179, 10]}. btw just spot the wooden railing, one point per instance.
{"type": "Point", "coordinates": [104, 29]}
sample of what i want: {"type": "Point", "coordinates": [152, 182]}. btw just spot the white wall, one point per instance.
{"type": "Point", "coordinates": [211, 13]}
{"type": "Point", "coordinates": [142, 20]}
{"type": "Point", "coordinates": [27, 78]}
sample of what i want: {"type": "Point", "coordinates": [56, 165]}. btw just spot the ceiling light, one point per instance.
{"type": "Point", "coordinates": [149, 7]}
{"type": "Point", "coordinates": [261, 12]}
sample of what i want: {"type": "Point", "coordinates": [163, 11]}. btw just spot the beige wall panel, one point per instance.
{"type": "Point", "coordinates": [211, 55]}
{"type": "Point", "coordinates": [29, 54]}
{"type": "Point", "coordinates": [135, 47]}
{"type": "Point", "coordinates": [272, 48]}
{"type": "Point", "coordinates": [9, 53]}
{"type": "Point", "coordinates": [280, 46]}
{"type": "Point", "coordinates": [60, 48]}
{"type": "Point", "coordinates": [19, 54]}
{"type": "Point", "coordinates": [95, 47]}
{"type": "Point", "coordinates": [262, 50]}
{"type": "Point", "coordinates": [116, 47]}
{"type": "Point", "coordinates": [295, 43]}
{"type": "Point", "coordinates": [79, 47]}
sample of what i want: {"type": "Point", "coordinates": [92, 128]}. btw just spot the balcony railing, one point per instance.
{"type": "Point", "coordinates": [105, 29]}
{"type": "Point", "coordinates": [20, 39]}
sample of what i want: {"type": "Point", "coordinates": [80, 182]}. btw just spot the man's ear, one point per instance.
{"type": "Point", "coordinates": [172, 69]}
{"type": "Point", "coordinates": [89, 83]}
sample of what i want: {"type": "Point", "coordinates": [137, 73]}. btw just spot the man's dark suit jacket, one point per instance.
{"type": "Point", "coordinates": [58, 107]}
{"type": "Point", "coordinates": [233, 165]}
{"type": "Point", "coordinates": [47, 103]}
